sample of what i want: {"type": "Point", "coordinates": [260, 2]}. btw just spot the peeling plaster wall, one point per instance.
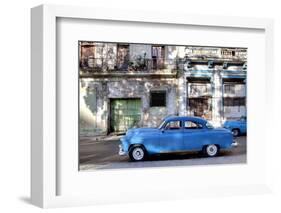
{"type": "Point", "coordinates": [95, 95]}
{"type": "Point", "coordinates": [154, 115]}
{"type": "Point", "coordinates": [92, 107]}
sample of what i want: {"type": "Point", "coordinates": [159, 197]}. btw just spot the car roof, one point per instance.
{"type": "Point", "coordinates": [186, 118]}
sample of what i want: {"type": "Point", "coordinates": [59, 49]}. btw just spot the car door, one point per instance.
{"type": "Point", "coordinates": [171, 137]}
{"type": "Point", "coordinates": [193, 135]}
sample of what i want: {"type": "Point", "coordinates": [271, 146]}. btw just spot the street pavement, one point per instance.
{"type": "Point", "coordinates": [102, 153]}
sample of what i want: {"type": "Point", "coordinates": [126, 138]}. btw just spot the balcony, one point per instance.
{"type": "Point", "coordinates": [102, 67]}
{"type": "Point", "coordinates": [141, 66]}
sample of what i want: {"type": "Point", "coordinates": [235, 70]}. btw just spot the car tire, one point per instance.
{"type": "Point", "coordinates": [235, 132]}
{"type": "Point", "coordinates": [137, 153]}
{"type": "Point", "coordinates": [211, 150]}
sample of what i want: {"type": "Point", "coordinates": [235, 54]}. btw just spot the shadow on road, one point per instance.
{"type": "Point", "coordinates": [104, 154]}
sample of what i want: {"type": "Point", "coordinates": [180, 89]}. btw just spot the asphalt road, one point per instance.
{"type": "Point", "coordinates": [103, 154]}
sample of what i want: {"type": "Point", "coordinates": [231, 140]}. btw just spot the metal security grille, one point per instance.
{"type": "Point", "coordinates": [125, 114]}
{"type": "Point", "coordinates": [201, 107]}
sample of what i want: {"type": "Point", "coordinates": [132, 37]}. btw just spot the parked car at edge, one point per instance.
{"type": "Point", "coordinates": [237, 127]}
{"type": "Point", "coordinates": [176, 134]}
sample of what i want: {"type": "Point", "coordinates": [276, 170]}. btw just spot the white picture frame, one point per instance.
{"type": "Point", "coordinates": [45, 170]}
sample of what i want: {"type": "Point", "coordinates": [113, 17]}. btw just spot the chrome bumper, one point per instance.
{"type": "Point", "coordinates": [234, 143]}
{"type": "Point", "coordinates": [121, 151]}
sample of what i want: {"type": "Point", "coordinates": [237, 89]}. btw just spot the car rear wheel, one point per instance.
{"type": "Point", "coordinates": [211, 150]}
{"type": "Point", "coordinates": [235, 132]}
{"type": "Point", "coordinates": [137, 153]}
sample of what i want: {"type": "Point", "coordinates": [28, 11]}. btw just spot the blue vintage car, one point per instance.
{"type": "Point", "coordinates": [176, 134]}
{"type": "Point", "coordinates": [237, 127]}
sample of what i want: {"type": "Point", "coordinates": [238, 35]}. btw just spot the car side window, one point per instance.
{"type": "Point", "coordinates": [192, 125]}
{"type": "Point", "coordinates": [243, 119]}
{"type": "Point", "coordinates": [173, 125]}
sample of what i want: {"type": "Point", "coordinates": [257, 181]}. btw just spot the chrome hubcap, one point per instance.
{"type": "Point", "coordinates": [138, 154]}
{"type": "Point", "coordinates": [212, 150]}
{"type": "Point", "coordinates": [235, 132]}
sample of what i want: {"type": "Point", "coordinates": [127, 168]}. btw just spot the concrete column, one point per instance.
{"type": "Point", "coordinates": [217, 98]}
{"type": "Point", "coordinates": [182, 95]}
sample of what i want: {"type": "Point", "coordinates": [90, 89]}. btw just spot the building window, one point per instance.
{"type": "Point", "coordinates": [158, 98]}
{"type": "Point", "coordinates": [123, 56]}
{"type": "Point", "coordinates": [230, 102]}
{"type": "Point", "coordinates": [229, 89]}
{"type": "Point", "coordinates": [198, 89]}
{"type": "Point", "coordinates": [201, 107]}
{"type": "Point", "coordinates": [87, 54]}
{"type": "Point", "coordinates": [158, 55]}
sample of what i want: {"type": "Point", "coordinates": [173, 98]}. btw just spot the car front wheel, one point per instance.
{"type": "Point", "coordinates": [211, 150]}
{"type": "Point", "coordinates": [137, 153]}
{"type": "Point", "coordinates": [235, 132]}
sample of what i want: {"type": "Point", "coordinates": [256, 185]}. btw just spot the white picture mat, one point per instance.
{"type": "Point", "coordinates": [154, 183]}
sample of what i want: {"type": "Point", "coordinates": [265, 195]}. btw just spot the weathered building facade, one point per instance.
{"type": "Point", "coordinates": [128, 85]}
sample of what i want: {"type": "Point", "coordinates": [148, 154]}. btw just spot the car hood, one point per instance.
{"type": "Point", "coordinates": [231, 122]}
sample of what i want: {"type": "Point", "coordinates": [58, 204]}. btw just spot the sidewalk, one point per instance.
{"type": "Point", "coordinates": [103, 138]}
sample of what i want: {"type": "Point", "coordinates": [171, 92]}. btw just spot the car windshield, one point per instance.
{"type": "Point", "coordinates": [162, 123]}
{"type": "Point", "coordinates": [209, 125]}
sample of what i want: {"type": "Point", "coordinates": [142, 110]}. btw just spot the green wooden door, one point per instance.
{"type": "Point", "coordinates": [125, 114]}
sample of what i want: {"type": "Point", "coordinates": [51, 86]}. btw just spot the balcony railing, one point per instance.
{"type": "Point", "coordinates": [92, 64]}
{"type": "Point", "coordinates": [151, 65]}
